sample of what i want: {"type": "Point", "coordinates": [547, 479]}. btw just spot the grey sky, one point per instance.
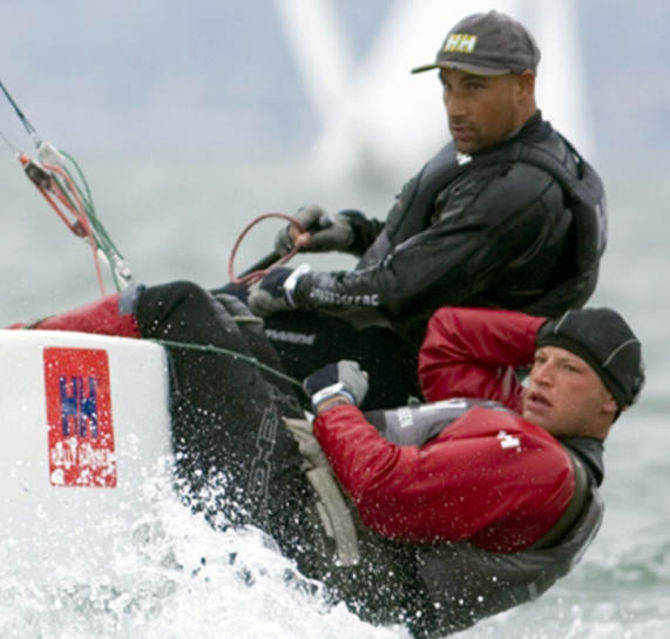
{"type": "Point", "coordinates": [134, 75]}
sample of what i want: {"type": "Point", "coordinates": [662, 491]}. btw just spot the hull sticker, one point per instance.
{"type": "Point", "coordinates": [79, 417]}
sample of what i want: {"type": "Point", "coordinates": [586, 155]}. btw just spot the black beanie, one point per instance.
{"type": "Point", "coordinates": [601, 337]}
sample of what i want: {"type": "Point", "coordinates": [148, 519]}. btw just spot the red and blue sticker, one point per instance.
{"type": "Point", "coordinates": [79, 416]}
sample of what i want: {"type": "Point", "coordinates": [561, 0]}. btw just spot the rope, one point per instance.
{"type": "Point", "coordinates": [30, 129]}
{"type": "Point", "coordinates": [255, 276]}
{"type": "Point", "coordinates": [103, 238]}
{"type": "Point", "coordinates": [64, 193]}
{"type": "Point", "coordinates": [234, 354]}
{"type": "Point", "coordinates": [56, 186]}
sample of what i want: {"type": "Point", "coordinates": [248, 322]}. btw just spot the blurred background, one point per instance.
{"type": "Point", "coordinates": [191, 118]}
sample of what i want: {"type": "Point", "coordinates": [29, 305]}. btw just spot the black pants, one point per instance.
{"type": "Point", "coordinates": [307, 341]}
{"type": "Point", "coordinates": [233, 453]}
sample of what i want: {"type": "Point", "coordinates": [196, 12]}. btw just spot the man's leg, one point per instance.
{"type": "Point", "coordinates": [226, 415]}
{"type": "Point", "coordinates": [307, 341]}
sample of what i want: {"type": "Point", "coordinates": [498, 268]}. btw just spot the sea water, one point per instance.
{"type": "Point", "coordinates": [173, 576]}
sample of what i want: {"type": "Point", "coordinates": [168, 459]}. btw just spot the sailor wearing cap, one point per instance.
{"type": "Point", "coordinates": [506, 215]}
{"type": "Point", "coordinates": [487, 66]}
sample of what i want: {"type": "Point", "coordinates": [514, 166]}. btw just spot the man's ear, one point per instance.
{"type": "Point", "coordinates": [526, 81]}
{"type": "Point", "coordinates": [610, 407]}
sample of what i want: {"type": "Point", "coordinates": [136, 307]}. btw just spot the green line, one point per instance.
{"type": "Point", "coordinates": [80, 173]}
{"type": "Point", "coordinates": [102, 239]}
{"type": "Point", "coordinates": [234, 354]}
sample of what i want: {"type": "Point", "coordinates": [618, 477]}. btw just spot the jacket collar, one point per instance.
{"type": "Point", "coordinates": [534, 129]}
{"type": "Point", "coordinates": [590, 451]}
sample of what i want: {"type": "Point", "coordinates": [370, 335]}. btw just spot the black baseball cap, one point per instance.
{"type": "Point", "coordinates": [487, 44]}
{"type": "Point", "coordinates": [603, 339]}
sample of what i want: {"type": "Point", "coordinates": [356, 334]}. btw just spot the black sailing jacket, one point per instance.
{"type": "Point", "coordinates": [520, 226]}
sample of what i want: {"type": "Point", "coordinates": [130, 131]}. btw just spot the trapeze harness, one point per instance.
{"type": "Point", "coordinates": [451, 585]}
{"type": "Point", "coordinates": [583, 194]}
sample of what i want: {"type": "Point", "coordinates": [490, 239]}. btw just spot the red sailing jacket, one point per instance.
{"type": "Point", "coordinates": [489, 477]}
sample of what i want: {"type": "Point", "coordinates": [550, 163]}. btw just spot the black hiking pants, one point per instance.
{"type": "Point", "coordinates": [234, 455]}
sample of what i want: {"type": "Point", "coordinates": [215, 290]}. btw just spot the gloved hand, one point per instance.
{"type": "Point", "coordinates": [326, 232]}
{"type": "Point", "coordinates": [274, 293]}
{"type": "Point", "coordinates": [345, 379]}
{"type": "Point", "coordinates": [240, 291]}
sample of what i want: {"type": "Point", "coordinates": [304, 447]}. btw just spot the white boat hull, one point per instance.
{"type": "Point", "coordinates": [86, 428]}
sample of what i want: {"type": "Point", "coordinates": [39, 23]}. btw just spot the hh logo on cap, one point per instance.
{"type": "Point", "coordinates": [79, 414]}
{"type": "Point", "coordinates": [460, 42]}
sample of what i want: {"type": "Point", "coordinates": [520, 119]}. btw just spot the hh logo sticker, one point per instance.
{"type": "Point", "coordinates": [509, 441]}
{"type": "Point", "coordinates": [79, 415]}
{"type": "Point", "coordinates": [461, 42]}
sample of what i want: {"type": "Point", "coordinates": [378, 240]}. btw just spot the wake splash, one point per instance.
{"type": "Point", "coordinates": [167, 574]}
{"type": "Point", "coordinates": [173, 576]}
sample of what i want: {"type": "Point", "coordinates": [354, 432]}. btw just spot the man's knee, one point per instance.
{"type": "Point", "coordinates": [111, 315]}
{"type": "Point", "coordinates": [174, 309]}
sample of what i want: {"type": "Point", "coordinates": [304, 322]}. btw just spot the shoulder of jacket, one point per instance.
{"type": "Point", "coordinates": [509, 186]}
{"type": "Point", "coordinates": [506, 182]}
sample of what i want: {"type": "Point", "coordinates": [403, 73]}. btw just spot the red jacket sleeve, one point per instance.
{"type": "Point", "coordinates": [490, 476]}
{"type": "Point", "coordinates": [469, 352]}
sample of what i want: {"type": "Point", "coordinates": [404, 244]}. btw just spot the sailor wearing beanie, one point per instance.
{"type": "Point", "coordinates": [601, 337]}
{"type": "Point", "coordinates": [511, 470]}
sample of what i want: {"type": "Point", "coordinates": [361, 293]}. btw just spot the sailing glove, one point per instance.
{"type": "Point", "coordinates": [274, 293]}
{"type": "Point", "coordinates": [327, 232]}
{"type": "Point", "coordinates": [345, 379]}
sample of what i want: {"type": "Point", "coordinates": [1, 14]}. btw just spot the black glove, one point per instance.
{"type": "Point", "coordinates": [344, 379]}
{"type": "Point", "coordinates": [328, 232]}
{"type": "Point", "coordinates": [240, 291]}
{"type": "Point", "coordinates": [274, 292]}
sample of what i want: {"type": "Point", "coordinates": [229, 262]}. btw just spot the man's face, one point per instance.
{"type": "Point", "coordinates": [484, 110]}
{"type": "Point", "coordinates": [565, 396]}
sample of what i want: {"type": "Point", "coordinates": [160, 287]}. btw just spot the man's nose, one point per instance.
{"type": "Point", "coordinates": [456, 106]}
{"type": "Point", "coordinates": [542, 374]}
